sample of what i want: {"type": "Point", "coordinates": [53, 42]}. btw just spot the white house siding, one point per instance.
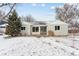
{"type": "Point", "coordinates": [63, 28]}
{"type": "Point", "coordinates": [2, 30]}
{"type": "Point", "coordinates": [35, 33]}
{"type": "Point", "coordinates": [50, 26]}
{"type": "Point", "coordinates": [27, 28]}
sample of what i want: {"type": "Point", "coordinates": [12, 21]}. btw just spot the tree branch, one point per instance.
{"type": "Point", "coordinates": [3, 4]}
{"type": "Point", "coordinates": [9, 11]}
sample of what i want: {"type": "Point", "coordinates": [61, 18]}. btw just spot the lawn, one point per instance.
{"type": "Point", "coordinates": [42, 46]}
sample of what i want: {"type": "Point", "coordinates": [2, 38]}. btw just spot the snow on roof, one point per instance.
{"type": "Point", "coordinates": [39, 23]}
{"type": "Point", "coordinates": [57, 22]}
{"type": "Point", "coordinates": [35, 23]}
{"type": "Point", "coordinates": [23, 22]}
{"type": "Point", "coordinates": [3, 25]}
{"type": "Point", "coordinates": [44, 23]}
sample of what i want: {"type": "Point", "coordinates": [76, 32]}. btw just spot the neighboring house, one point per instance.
{"type": "Point", "coordinates": [56, 28]}
{"type": "Point", "coordinates": [3, 28]}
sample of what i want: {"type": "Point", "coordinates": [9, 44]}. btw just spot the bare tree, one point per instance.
{"type": "Point", "coordinates": [2, 13]}
{"type": "Point", "coordinates": [69, 14]}
{"type": "Point", "coordinates": [3, 4]}
{"type": "Point", "coordinates": [29, 18]}
{"type": "Point", "coordinates": [10, 5]}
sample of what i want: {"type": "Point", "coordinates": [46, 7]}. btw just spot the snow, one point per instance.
{"type": "Point", "coordinates": [57, 22]}
{"type": "Point", "coordinates": [3, 25]}
{"type": "Point", "coordinates": [39, 46]}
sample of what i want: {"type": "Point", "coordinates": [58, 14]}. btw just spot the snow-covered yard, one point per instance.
{"type": "Point", "coordinates": [43, 46]}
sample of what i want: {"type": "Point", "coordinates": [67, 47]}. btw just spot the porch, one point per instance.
{"type": "Point", "coordinates": [39, 30]}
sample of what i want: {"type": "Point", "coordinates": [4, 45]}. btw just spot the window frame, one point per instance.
{"type": "Point", "coordinates": [43, 28]}
{"type": "Point", "coordinates": [35, 29]}
{"type": "Point", "coordinates": [23, 28]}
{"type": "Point", "coordinates": [57, 27]}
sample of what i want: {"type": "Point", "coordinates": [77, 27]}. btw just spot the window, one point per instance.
{"type": "Point", "coordinates": [22, 28]}
{"type": "Point", "coordinates": [35, 29]}
{"type": "Point", "coordinates": [57, 27]}
{"type": "Point", "coordinates": [43, 28]}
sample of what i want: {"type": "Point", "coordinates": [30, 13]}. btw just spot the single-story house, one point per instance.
{"type": "Point", "coordinates": [56, 28]}
{"type": "Point", "coordinates": [3, 28]}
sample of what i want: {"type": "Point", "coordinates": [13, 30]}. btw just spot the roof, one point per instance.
{"type": "Point", "coordinates": [44, 23]}
{"type": "Point", "coordinates": [35, 23]}
{"type": "Point", "coordinates": [57, 22]}
{"type": "Point", "coordinates": [39, 23]}
{"type": "Point", "coordinates": [3, 25]}
{"type": "Point", "coordinates": [25, 23]}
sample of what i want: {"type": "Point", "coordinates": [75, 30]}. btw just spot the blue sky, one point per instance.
{"type": "Point", "coordinates": [40, 11]}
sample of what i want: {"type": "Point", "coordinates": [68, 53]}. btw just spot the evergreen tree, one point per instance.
{"type": "Point", "coordinates": [14, 24]}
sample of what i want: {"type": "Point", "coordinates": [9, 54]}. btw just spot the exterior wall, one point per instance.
{"type": "Point", "coordinates": [50, 27]}
{"type": "Point", "coordinates": [27, 29]}
{"type": "Point", "coordinates": [2, 30]}
{"type": "Point", "coordinates": [63, 29]}
{"type": "Point", "coordinates": [35, 33]}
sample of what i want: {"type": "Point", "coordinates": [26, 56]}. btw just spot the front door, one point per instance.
{"type": "Point", "coordinates": [43, 30]}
